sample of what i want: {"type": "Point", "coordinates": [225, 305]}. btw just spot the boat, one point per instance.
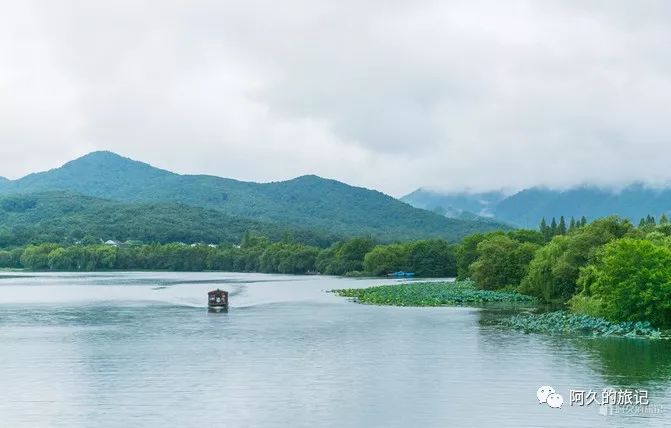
{"type": "Point", "coordinates": [401, 274]}
{"type": "Point", "coordinates": [217, 300]}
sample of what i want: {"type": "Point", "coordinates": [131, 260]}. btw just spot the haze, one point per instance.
{"type": "Point", "coordinates": [391, 95]}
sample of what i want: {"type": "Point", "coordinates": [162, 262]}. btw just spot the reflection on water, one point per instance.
{"type": "Point", "coordinates": [623, 362]}
{"type": "Point", "coordinates": [630, 362]}
{"type": "Point", "coordinates": [141, 349]}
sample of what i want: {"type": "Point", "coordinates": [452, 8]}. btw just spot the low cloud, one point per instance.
{"type": "Point", "coordinates": [451, 95]}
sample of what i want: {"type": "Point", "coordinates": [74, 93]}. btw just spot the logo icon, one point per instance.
{"type": "Point", "coordinates": [546, 394]}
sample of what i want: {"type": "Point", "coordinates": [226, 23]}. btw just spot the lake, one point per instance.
{"type": "Point", "coordinates": [141, 349]}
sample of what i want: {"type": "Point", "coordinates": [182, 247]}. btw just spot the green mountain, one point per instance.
{"type": "Point", "coordinates": [527, 207]}
{"type": "Point", "coordinates": [306, 202]}
{"type": "Point", "coordinates": [66, 217]}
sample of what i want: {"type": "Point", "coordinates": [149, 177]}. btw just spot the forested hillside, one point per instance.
{"type": "Point", "coordinates": [67, 218]}
{"type": "Point", "coordinates": [305, 202]}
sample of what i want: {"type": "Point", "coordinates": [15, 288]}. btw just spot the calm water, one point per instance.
{"type": "Point", "coordinates": [140, 349]}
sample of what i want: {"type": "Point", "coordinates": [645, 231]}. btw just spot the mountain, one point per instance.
{"type": "Point", "coordinates": [102, 174]}
{"type": "Point", "coordinates": [306, 202]}
{"type": "Point", "coordinates": [63, 217]}
{"type": "Point", "coordinates": [455, 204]}
{"type": "Point", "coordinates": [527, 207]}
{"type": "Point", "coordinates": [635, 201]}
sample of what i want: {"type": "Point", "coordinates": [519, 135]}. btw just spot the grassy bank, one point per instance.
{"type": "Point", "coordinates": [432, 294]}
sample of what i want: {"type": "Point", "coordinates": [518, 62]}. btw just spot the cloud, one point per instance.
{"type": "Point", "coordinates": [390, 95]}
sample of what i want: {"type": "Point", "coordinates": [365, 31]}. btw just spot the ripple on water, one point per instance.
{"type": "Point", "coordinates": [140, 349]}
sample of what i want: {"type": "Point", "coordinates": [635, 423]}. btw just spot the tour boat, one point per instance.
{"type": "Point", "coordinates": [217, 300]}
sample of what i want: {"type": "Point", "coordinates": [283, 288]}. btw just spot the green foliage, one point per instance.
{"type": "Point", "coordinates": [68, 218]}
{"type": "Point", "coordinates": [502, 262]}
{"type": "Point", "coordinates": [432, 259]}
{"type": "Point", "coordinates": [36, 257]}
{"type": "Point", "coordinates": [629, 280]}
{"type": "Point", "coordinates": [11, 258]}
{"type": "Point", "coordinates": [561, 228]}
{"type": "Point", "coordinates": [387, 258]}
{"type": "Point", "coordinates": [527, 235]}
{"type": "Point", "coordinates": [554, 270]}
{"type": "Point", "coordinates": [288, 258]}
{"type": "Point", "coordinates": [550, 276]}
{"type": "Point", "coordinates": [344, 257]}
{"type": "Point", "coordinates": [555, 229]}
{"type": "Point", "coordinates": [563, 323]}
{"type": "Point", "coordinates": [83, 258]}
{"type": "Point", "coordinates": [432, 294]}
{"type": "Point", "coordinates": [429, 258]}
{"type": "Point", "coordinates": [307, 202]}
{"type": "Point", "coordinates": [467, 253]}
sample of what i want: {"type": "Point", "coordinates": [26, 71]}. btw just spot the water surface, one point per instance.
{"type": "Point", "coordinates": [140, 349]}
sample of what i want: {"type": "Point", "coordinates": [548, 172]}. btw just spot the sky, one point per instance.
{"type": "Point", "coordinates": [392, 95]}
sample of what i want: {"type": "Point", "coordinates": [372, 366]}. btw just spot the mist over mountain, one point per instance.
{"type": "Point", "coordinates": [527, 207]}
{"type": "Point", "coordinates": [455, 203]}
{"type": "Point", "coordinates": [308, 202]}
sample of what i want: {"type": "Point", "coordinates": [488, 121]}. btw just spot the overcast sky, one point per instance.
{"type": "Point", "coordinates": [391, 95]}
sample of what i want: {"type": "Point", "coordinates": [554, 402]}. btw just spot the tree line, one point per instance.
{"type": "Point", "coordinates": [256, 253]}
{"type": "Point", "coordinates": [607, 268]}
{"type": "Point", "coordinates": [560, 228]}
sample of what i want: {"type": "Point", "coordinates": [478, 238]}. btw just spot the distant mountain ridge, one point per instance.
{"type": "Point", "coordinates": [308, 202]}
{"type": "Point", "coordinates": [527, 207]}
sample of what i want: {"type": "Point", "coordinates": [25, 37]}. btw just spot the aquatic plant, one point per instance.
{"type": "Point", "coordinates": [565, 323]}
{"type": "Point", "coordinates": [432, 294]}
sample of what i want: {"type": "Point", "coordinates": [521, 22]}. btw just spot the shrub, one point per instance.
{"type": "Point", "coordinates": [629, 280]}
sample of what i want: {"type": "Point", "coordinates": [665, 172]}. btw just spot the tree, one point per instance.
{"type": "Point", "coordinates": [561, 228]}
{"type": "Point", "coordinates": [553, 227]}
{"type": "Point", "coordinates": [59, 259]}
{"type": "Point", "coordinates": [648, 220]}
{"type": "Point", "coordinates": [10, 258]}
{"type": "Point", "coordinates": [553, 272]}
{"type": "Point", "coordinates": [629, 280]}
{"type": "Point", "coordinates": [432, 258]}
{"type": "Point", "coordinates": [583, 221]}
{"type": "Point", "coordinates": [572, 225]}
{"type": "Point", "coordinates": [525, 235]}
{"type": "Point", "coordinates": [502, 262]}
{"type": "Point", "coordinates": [467, 253]}
{"type": "Point", "coordinates": [36, 257]}
{"type": "Point", "coordinates": [551, 275]}
{"type": "Point", "coordinates": [544, 229]}
{"type": "Point", "coordinates": [288, 258]}
{"type": "Point", "coordinates": [663, 219]}
{"type": "Point", "coordinates": [387, 258]}
{"type": "Point", "coordinates": [344, 257]}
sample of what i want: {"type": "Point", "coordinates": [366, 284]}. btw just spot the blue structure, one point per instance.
{"type": "Point", "coordinates": [401, 274]}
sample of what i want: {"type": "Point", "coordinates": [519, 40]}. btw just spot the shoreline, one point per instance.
{"type": "Point", "coordinates": [464, 294]}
